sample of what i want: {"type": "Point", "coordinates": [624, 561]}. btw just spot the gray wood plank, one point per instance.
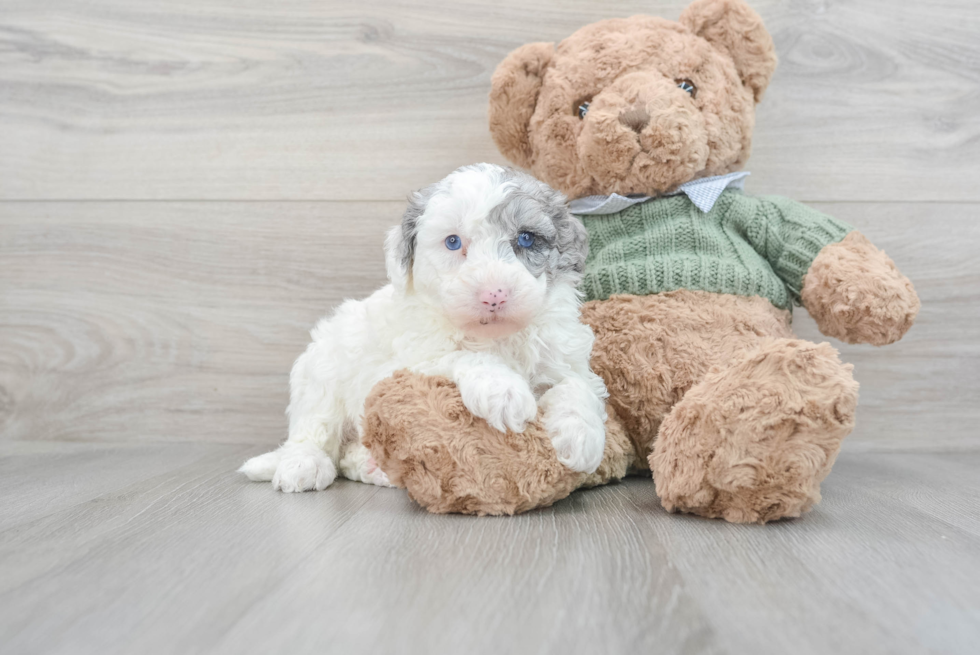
{"type": "Point", "coordinates": [920, 392]}
{"type": "Point", "coordinates": [38, 478]}
{"type": "Point", "coordinates": [180, 321]}
{"type": "Point", "coordinates": [198, 560]}
{"type": "Point", "coordinates": [165, 332]}
{"type": "Point", "coordinates": [146, 321]}
{"type": "Point", "coordinates": [223, 99]}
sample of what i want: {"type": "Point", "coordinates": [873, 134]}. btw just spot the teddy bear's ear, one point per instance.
{"type": "Point", "coordinates": [734, 28]}
{"type": "Point", "coordinates": [513, 96]}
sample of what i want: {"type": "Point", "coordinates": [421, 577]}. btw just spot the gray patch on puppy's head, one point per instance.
{"type": "Point", "coordinates": [573, 244]}
{"type": "Point", "coordinates": [417, 202]}
{"type": "Point", "coordinates": [401, 241]}
{"type": "Point", "coordinates": [561, 243]}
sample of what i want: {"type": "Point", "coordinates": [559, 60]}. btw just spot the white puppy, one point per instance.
{"type": "Point", "coordinates": [483, 270]}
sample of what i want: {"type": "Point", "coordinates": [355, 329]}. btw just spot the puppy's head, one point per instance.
{"type": "Point", "coordinates": [489, 246]}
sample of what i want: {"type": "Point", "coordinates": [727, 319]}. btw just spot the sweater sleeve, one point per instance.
{"type": "Point", "coordinates": [790, 235]}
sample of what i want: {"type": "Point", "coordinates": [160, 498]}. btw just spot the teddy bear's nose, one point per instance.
{"type": "Point", "coordinates": [636, 118]}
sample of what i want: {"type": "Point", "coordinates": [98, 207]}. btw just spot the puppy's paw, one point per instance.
{"type": "Point", "coordinates": [502, 398]}
{"type": "Point", "coordinates": [578, 443]}
{"type": "Point", "coordinates": [575, 419]}
{"type": "Point", "coordinates": [358, 464]}
{"type": "Point", "coordinates": [304, 470]}
{"type": "Point", "coordinates": [374, 475]}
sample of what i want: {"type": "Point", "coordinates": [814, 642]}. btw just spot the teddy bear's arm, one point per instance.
{"type": "Point", "coordinates": [854, 291]}
{"type": "Point", "coordinates": [856, 294]}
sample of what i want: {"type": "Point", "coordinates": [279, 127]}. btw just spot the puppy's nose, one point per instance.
{"type": "Point", "coordinates": [636, 118]}
{"type": "Point", "coordinates": [493, 299]}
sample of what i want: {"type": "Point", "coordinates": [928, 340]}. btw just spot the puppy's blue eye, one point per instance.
{"type": "Point", "coordinates": [525, 239]}
{"type": "Point", "coordinates": [453, 242]}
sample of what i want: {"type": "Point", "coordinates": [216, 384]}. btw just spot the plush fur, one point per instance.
{"type": "Point", "coordinates": [430, 443]}
{"type": "Point", "coordinates": [736, 417]}
{"type": "Point", "coordinates": [856, 294]}
{"type": "Point", "coordinates": [753, 439]}
{"type": "Point", "coordinates": [642, 133]}
{"type": "Point", "coordinates": [495, 310]}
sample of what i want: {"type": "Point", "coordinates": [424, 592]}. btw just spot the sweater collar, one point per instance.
{"type": "Point", "coordinates": [703, 192]}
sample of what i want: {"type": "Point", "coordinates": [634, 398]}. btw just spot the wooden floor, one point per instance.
{"type": "Point", "coordinates": [187, 185]}
{"type": "Point", "coordinates": [161, 548]}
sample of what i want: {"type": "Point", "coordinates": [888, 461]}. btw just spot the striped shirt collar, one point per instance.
{"type": "Point", "coordinates": [703, 192]}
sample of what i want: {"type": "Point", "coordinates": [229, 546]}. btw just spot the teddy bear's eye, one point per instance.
{"type": "Point", "coordinates": [583, 109]}
{"type": "Point", "coordinates": [688, 85]}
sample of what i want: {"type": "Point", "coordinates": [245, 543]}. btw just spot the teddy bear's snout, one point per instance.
{"type": "Point", "coordinates": [641, 136]}
{"type": "Point", "coordinates": [635, 118]}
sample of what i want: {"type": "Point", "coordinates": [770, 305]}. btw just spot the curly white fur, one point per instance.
{"type": "Point", "coordinates": [435, 318]}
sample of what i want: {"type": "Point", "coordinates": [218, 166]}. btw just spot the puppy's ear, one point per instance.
{"type": "Point", "coordinates": [571, 240]}
{"type": "Point", "coordinates": [513, 96]}
{"type": "Point", "coordinates": [734, 28]}
{"type": "Point", "coordinates": [573, 243]}
{"type": "Point", "coordinates": [400, 242]}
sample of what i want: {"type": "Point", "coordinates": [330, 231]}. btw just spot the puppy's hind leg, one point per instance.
{"type": "Point", "coordinates": [261, 468]}
{"type": "Point", "coordinates": [308, 459]}
{"type": "Point", "coordinates": [358, 464]}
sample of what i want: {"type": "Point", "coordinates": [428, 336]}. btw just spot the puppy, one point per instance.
{"type": "Point", "coordinates": [483, 269]}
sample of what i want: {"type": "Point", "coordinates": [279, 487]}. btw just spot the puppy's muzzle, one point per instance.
{"type": "Point", "coordinates": [493, 300]}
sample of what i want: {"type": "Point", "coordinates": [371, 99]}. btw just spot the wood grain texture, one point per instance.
{"type": "Point", "coordinates": [920, 392]}
{"type": "Point", "coordinates": [145, 346]}
{"type": "Point", "coordinates": [304, 99]}
{"type": "Point", "coordinates": [195, 559]}
{"type": "Point", "coordinates": [143, 321]}
{"type": "Point", "coordinates": [180, 321]}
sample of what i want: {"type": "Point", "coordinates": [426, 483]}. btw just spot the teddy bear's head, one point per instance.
{"type": "Point", "coordinates": [635, 105]}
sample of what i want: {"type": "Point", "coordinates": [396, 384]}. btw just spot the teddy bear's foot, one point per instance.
{"type": "Point", "coordinates": [752, 442]}
{"type": "Point", "coordinates": [423, 437]}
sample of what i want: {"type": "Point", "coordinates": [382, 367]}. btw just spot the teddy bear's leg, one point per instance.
{"type": "Point", "coordinates": [752, 441]}
{"type": "Point", "coordinates": [425, 440]}
{"type": "Point", "coordinates": [651, 350]}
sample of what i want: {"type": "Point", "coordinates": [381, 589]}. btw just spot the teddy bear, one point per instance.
{"type": "Point", "coordinates": [646, 124]}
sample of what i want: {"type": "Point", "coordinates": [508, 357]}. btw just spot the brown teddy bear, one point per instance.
{"type": "Point", "coordinates": [689, 285]}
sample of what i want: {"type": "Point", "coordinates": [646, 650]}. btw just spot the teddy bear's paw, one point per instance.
{"type": "Point", "coordinates": [501, 397]}
{"type": "Point", "coordinates": [752, 442]}
{"type": "Point", "coordinates": [303, 467]}
{"type": "Point", "coordinates": [855, 293]}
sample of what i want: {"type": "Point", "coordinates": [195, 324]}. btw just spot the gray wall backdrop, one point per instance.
{"type": "Point", "coordinates": [187, 185]}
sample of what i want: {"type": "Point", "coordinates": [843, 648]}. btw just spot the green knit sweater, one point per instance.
{"type": "Point", "coordinates": [744, 245]}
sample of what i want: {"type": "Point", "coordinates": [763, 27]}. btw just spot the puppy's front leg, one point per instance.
{"type": "Point", "coordinates": [575, 418]}
{"type": "Point", "coordinates": [306, 462]}
{"type": "Point", "coordinates": [490, 390]}
{"type": "Point", "coordinates": [303, 466]}
{"type": "Point", "coordinates": [294, 466]}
